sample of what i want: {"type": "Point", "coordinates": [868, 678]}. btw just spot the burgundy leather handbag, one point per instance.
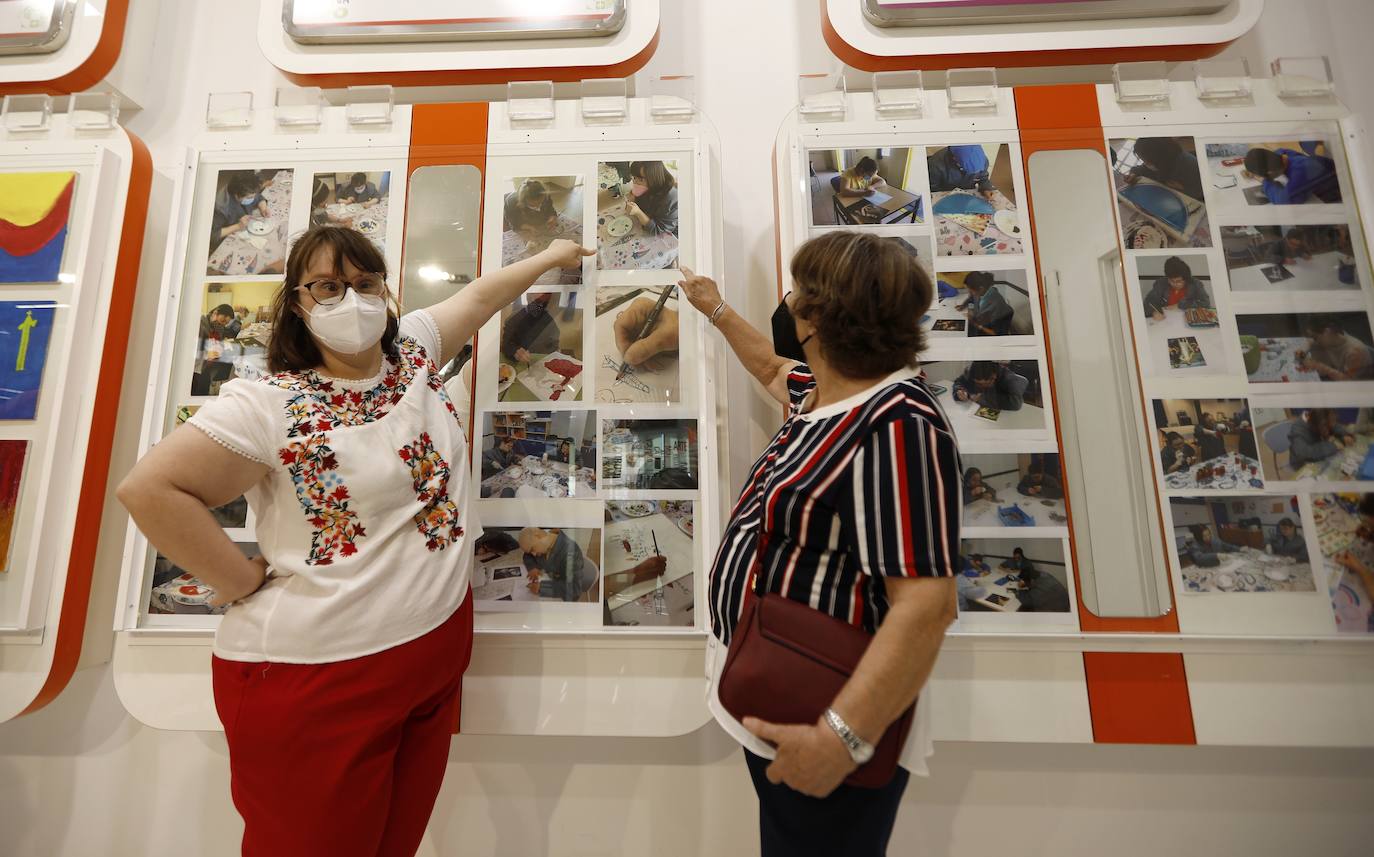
{"type": "Point", "coordinates": [788, 662]}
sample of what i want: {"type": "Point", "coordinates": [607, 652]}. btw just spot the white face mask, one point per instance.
{"type": "Point", "coordinates": [350, 326]}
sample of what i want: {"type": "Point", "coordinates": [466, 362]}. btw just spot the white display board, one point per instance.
{"type": "Point", "coordinates": [626, 624]}
{"type": "Point", "coordinates": [65, 194]}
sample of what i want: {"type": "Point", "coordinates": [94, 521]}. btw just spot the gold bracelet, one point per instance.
{"type": "Point", "coordinates": [715, 314]}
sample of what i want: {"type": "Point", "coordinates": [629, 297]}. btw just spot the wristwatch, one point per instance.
{"type": "Point", "coordinates": [859, 749]}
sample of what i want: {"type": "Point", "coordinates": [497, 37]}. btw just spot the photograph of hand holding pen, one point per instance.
{"type": "Point", "coordinates": [638, 337]}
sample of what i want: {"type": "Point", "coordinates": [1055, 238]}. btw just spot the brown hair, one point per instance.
{"type": "Point", "coordinates": [656, 176]}
{"type": "Point", "coordinates": [292, 348]}
{"type": "Point", "coordinates": [531, 189]}
{"type": "Point", "coordinates": [865, 295]}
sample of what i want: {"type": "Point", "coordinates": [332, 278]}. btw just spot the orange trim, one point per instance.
{"type": "Point", "coordinates": [1057, 118]}
{"type": "Point", "coordinates": [856, 58]}
{"type": "Point", "coordinates": [1138, 698]}
{"type": "Point", "coordinates": [467, 77]}
{"type": "Point", "coordinates": [76, 595]}
{"type": "Point", "coordinates": [447, 135]}
{"type": "Point", "coordinates": [96, 67]}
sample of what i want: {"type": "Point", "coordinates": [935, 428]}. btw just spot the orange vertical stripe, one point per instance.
{"type": "Point", "coordinates": [76, 596]}
{"type": "Point", "coordinates": [448, 135]}
{"type": "Point", "coordinates": [1138, 698]}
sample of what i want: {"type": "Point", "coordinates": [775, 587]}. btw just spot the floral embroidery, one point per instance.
{"type": "Point", "coordinates": [437, 520]}
{"type": "Point", "coordinates": [320, 405]}
{"type": "Point", "coordinates": [314, 473]}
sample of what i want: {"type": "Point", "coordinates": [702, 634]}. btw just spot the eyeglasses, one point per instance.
{"type": "Point", "coordinates": [326, 292]}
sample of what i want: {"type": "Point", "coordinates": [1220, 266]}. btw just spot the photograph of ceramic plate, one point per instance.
{"type": "Point", "coordinates": [619, 227]}
{"type": "Point", "coordinates": [515, 472]}
{"type": "Point", "coordinates": [1008, 223]}
{"type": "Point", "coordinates": [1276, 573]}
{"type": "Point", "coordinates": [367, 226]}
{"type": "Point", "coordinates": [637, 509]}
{"type": "Point", "coordinates": [964, 203]}
{"type": "Point", "coordinates": [261, 226]}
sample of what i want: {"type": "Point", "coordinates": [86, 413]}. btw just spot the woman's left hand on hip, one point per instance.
{"type": "Point", "coordinates": [811, 759]}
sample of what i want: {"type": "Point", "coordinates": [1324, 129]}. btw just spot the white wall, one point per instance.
{"type": "Point", "coordinates": [82, 778]}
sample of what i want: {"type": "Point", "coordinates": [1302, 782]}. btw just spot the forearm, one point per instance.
{"type": "Point", "coordinates": [753, 349]}
{"type": "Point", "coordinates": [182, 529]}
{"type": "Point", "coordinates": [895, 667]}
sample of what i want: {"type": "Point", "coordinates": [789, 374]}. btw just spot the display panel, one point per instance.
{"type": "Point", "coordinates": [35, 26]}
{"type": "Point", "coordinates": [1257, 356]}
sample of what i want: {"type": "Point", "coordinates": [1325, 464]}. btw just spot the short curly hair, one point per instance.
{"type": "Point", "coordinates": [866, 295]}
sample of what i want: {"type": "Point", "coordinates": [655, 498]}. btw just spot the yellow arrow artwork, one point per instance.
{"type": "Point", "coordinates": [25, 326]}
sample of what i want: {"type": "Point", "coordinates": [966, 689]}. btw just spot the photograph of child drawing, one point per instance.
{"type": "Point", "coordinates": [1306, 347]}
{"type": "Point", "coordinates": [865, 187]}
{"type": "Point", "coordinates": [1159, 193]}
{"type": "Point", "coordinates": [1290, 258]}
{"type": "Point", "coordinates": [1292, 172]}
{"type": "Point", "coordinates": [638, 218]}
{"type": "Point", "coordinates": [537, 211]}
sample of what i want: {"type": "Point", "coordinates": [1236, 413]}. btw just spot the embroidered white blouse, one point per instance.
{"type": "Point", "coordinates": [365, 515]}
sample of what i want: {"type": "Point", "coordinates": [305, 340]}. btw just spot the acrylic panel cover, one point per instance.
{"type": "Point", "coordinates": [35, 209]}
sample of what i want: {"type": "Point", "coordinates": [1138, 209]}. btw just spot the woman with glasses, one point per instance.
{"type": "Point", "coordinates": [338, 661]}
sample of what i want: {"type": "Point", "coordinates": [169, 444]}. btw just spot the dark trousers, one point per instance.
{"type": "Point", "coordinates": [851, 822]}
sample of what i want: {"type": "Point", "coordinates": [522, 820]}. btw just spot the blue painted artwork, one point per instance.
{"type": "Point", "coordinates": [25, 331]}
{"type": "Point", "coordinates": [964, 203]}
{"type": "Point", "coordinates": [1160, 203]}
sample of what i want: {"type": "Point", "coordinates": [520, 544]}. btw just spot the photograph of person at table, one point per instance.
{"type": "Point", "coordinates": [1290, 172]}
{"type": "Point", "coordinates": [990, 385]}
{"type": "Point", "coordinates": [973, 199]}
{"type": "Point", "coordinates": [359, 200]}
{"type": "Point", "coordinates": [536, 564]}
{"type": "Point", "coordinates": [537, 211]}
{"type": "Point", "coordinates": [1290, 258]}
{"type": "Point", "coordinates": [1176, 289]}
{"type": "Point", "coordinates": [1003, 576]}
{"type": "Point", "coordinates": [233, 334]}
{"type": "Point", "coordinates": [249, 222]}
{"type": "Point", "coordinates": [1328, 443]}
{"type": "Point", "coordinates": [638, 215]}
{"type": "Point", "coordinates": [1175, 217]}
{"type": "Point", "coordinates": [1207, 443]}
{"type": "Point", "coordinates": [538, 454]}
{"type": "Point", "coordinates": [1303, 347]}
{"type": "Point", "coordinates": [864, 187]}
{"type": "Point", "coordinates": [541, 349]}
{"type": "Point", "coordinates": [1241, 544]}
{"type": "Point", "coordinates": [1007, 489]}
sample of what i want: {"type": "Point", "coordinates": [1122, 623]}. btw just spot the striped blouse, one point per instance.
{"type": "Point", "coordinates": [844, 496]}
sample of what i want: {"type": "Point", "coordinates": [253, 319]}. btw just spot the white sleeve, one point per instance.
{"type": "Point", "coordinates": [420, 326]}
{"type": "Point", "coordinates": [241, 419]}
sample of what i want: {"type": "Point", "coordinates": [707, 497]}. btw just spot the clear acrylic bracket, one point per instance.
{"type": "Point", "coordinates": [229, 110]}
{"type": "Point", "coordinates": [26, 114]}
{"type": "Point", "coordinates": [298, 107]}
{"type": "Point", "coordinates": [93, 111]}
{"type": "Point", "coordinates": [971, 90]}
{"type": "Point", "coordinates": [673, 98]}
{"type": "Point", "coordinates": [1225, 81]}
{"type": "Point", "coordinates": [605, 101]}
{"type": "Point", "coordinates": [529, 103]}
{"type": "Point", "coordinates": [1141, 84]}
{"type": "Point", "coordinates": [899, 94]}
{"type": "Point", "coordinates": [369, 106]}
{"type": "Point", "coordinates": [1306, 79]}
{"type": "Point", "coordinates": [822, 97]}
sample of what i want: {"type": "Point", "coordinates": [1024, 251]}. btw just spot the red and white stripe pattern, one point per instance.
{"type": "Point", "coordinates": [838, 502]}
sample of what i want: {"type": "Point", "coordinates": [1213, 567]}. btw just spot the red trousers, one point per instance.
{"type": "Point", "coordinates": [343, 758]}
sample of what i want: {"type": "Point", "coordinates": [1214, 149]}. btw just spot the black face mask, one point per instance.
{"type": "Point", "coordinates": [785, 342]}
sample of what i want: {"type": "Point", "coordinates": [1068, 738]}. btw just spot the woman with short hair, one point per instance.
{"type": "Point", "coordinates": [853, 509]}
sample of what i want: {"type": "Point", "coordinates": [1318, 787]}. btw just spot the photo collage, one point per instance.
{"type": "Point", "coordinates": [957, 209]}
{"type": "Point", "coordinates": [36, 209]}
{"type": "Point", "coordinates": [244, 220]}
{"type": "Point", "coordinates": [587, 445]}
{"type": "Point", "coordinates": [1245, 268]}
